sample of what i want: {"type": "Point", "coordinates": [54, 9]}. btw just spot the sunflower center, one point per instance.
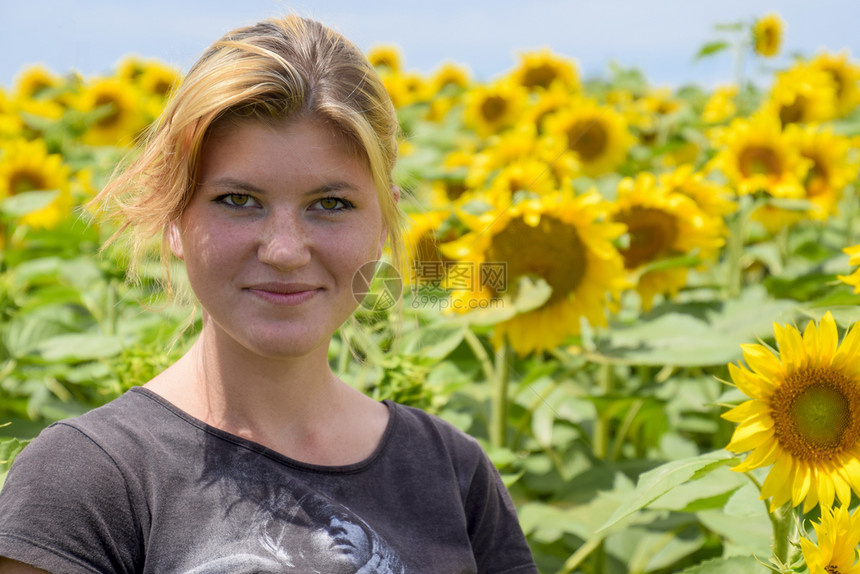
{"type": "Point", "coordinates": [588, 138]}
{"type": "Point", "coordinates": [831, 569]}
{"type": "Point", "coordinates": [539, 76]}
{"type": "Point", "coordinates": [816, 414]}
{"type": "Point", "coordinates": [24, 180]}
{"type": "Point", "coordinates": [112, 118]}
{"type": "Point", "coordinates": [553, 251]}
{"type": "Point", "coordinates": [493, 108]}
{"type": "Point", "coordinates": [759, 160]}
{"type": "Point", "coordinates": [652, 233]}
{"type": "Point", "coordinates": [816, 177]}
{"type": "Point", "coordinates": [793, 112]}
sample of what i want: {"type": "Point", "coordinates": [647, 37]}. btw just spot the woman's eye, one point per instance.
{"type": "Point", "coordinates": [236, 199]}
{"type": "Point", "coordinates": [334, 203]}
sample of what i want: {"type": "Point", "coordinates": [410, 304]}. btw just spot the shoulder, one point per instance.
{"type": "Point", "coordinates": [421, 427]}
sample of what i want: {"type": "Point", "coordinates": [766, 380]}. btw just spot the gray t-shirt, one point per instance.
{"type": "Point", "coordinates": [140, 486]}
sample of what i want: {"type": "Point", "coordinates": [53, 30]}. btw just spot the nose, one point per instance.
{"type": "Point", "coordinates": [284, 243]}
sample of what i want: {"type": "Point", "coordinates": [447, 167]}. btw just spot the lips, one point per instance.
{"type": "Point", "coordinates": [284, 294]}
{"type": "Point", "coordinates": [282, 288]}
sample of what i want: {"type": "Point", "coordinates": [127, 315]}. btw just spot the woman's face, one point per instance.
{"type": "Point", "coordinates": [282, 218]}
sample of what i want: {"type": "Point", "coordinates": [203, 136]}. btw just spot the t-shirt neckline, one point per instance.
{"type": "Point", "coordinates": [271, 453]}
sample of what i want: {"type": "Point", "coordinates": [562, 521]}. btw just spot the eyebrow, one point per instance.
{"type": "Point", "coordinates": [241, 185]}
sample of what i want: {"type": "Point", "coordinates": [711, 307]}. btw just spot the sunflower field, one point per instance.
{"type": "Point", "coordinates": [641, 300]}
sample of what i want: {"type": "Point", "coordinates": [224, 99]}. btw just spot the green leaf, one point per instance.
{"type": "Point", "coordinates": [76, 347]}
{"type": "Point", "coordinates": [655, 483]}
{"type": "Point", "coordinates": [529, 294]}
{"type": "Point", "coordinates": [433, 341]}
{"type": "Point", "coordinates": [710, 49]}
{"type": "Point", "coordinates": [27, 202]}
{"type": "Point", "coordinates": [695, 334]}
{"type": "Point", "coordinates": [9, 449]}
{"type": "Point", "coordinates": [733, 565]}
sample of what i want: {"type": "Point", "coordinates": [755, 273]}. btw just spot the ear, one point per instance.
{"type": "Point", "coordinates": [174, 239]}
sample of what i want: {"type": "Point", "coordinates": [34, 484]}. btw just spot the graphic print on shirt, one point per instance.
{"type": "Point", "coordinates": [287, 526]}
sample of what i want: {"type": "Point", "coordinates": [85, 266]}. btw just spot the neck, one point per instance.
{"type": "Point", "coordinates": [231, 388]}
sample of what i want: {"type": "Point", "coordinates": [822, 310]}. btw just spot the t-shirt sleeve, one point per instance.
{"type": "Point", "coordinates": [65, 507]}
{"type": "Point", "coordinates": [498, 542]}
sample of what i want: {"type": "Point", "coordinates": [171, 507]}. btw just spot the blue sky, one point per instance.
{"type": "Point", "coordinates": [659, 37]}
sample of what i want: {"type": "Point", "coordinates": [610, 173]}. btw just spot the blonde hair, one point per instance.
{"type": "Point", "coordinates": [289, 67]}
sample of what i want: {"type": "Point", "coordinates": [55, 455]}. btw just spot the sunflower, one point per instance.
{"type": "Point", "coordinates": [27, 166]}
{"type": "Point", "coordinates": [541, 69]}
{"type": "Point", "coordinates": [494, 107]}
{"type": "Point", "coordinates": [803, 416]}
{"type": "Point", "coordinates": [597, 134]}
{"type": "Point", "coordinates": [662, 224]}
{"type": "Point", "coordinates": [546, 103]}
{"type": "Point", "coordinates": [830, 169]}
{"type": "Point", "coordinates": [803, 94]}
{"type": "Point", "coordinates": [713, 199]}
{"type": "Point", "coordinates": [158, 80]}
{"type": "Point", "coordinates": [853, 259]}
{"type": "Point", "coordinates": [767, 35]}
{"type": "Point", "coordinates": [756, 156]}
{"type": "Point", "coordinates": [10, 122]}
{"type": "Point", "coordinates": [500, 150]}
{"type": "Point", "coordinates": [450, 76]}
{"type": "Point", "coordinates": [560, 238]}
{"type": "Point", "coordinates": [524, 174]}
{"type": "Point", "coordinates": [122, 105]}
{"type": "Point", "coordinates": [386, 57]}
{"type": "Point", "coordinates": [837, 535]}
{"type": "Point", "coordinates": [721, 105]}
{"type": "Point", "coordinates": [422, 239]}
{"type": "Point", "coordinates": [845, 75]}
{"type": "Point", "coordinates": [34, 81]}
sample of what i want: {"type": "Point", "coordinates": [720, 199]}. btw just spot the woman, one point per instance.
{"type": "Point", "coordinates": [269, 175]}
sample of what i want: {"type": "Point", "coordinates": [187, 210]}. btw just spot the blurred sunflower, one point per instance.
{"type": "Point", "coordinates": [547, 103]}
{"type": "Point", "coordinates": [845, 75]}
{"type": "Point", "coordinates": [500, 150]}
{"type": "Point", "coordinates": [493, 107]}
{"type": "Point", "coordinates": [756, 156]}
{"type": "Point", "coordinates": [662, 224]}
{"type": "Point", "coordinates": [35, 81]}
{"type": "Point", "coordinates": [830, 169]}
{"type": "Point", "coordinates": [853, 260]}
{"type": "Point", "coordinates": [422, 239]}
{"type": "Point", "coordinates": [562, 239]}
{"type": "Point", "coordinates": [27, 166]}
{"type": "Point", "coordinates": [11, 124]}
{"type": "Point", "coordinates": [597, 134]}
{"type": "Point", "coordinates": [721, 105]}
{"type": "Point", "coordinates": [802, 94]}
{"type": "Point", "coordinates": [803, 416]}
{"type": "Point", "coordinates": [122, 104]}
{"type": "Point", "coordinates": [541, 69]}
{"type": "Point", "coordinates": [837, 537]}
{"type": "Point", "coordinates": [387, 57]}
{"type": "Point", "coordinates": [767, 35]}
{"type": "Point", "coordinates": [525, 174]}
{"type": "Point", "coordinates": [404, 88]}
{"type": "Point", "coordinates": [450, 76]}
{"type": "Point", "coordinates": [713, 199]}
{"type": "Point", "coordinates": [159, 80]}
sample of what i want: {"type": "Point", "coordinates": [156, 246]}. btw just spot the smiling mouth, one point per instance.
{"type": "Point", "coordinates": [280, 295]}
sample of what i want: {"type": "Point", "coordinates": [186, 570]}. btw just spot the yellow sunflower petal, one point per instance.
{"type": "Point", "coordinates": [762, 361]}
{"type": "Point", "coordinates": [828, 338]}
{"type": "Point", "coordinates": [777, 484]}
{"type": "Point", "coordinates": [746, 410]}
{"type": "Point", "coordinates": [749, 435]}
{"type": "Point", "coordinates": [802, 484]}
{"type": "Point", "coordinates": [764, 455]}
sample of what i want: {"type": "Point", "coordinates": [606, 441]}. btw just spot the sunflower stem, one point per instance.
{"type": "Point", "coordinates": [783, 520]}
{"type": "Point", "coordinates": [499, 415]}
{"type": "Point", "coordinates": [850, 214]}
{"type": "Point", "coordinates": [601, 425]}
{"type": "Point", "coordinates": [735, 248]}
